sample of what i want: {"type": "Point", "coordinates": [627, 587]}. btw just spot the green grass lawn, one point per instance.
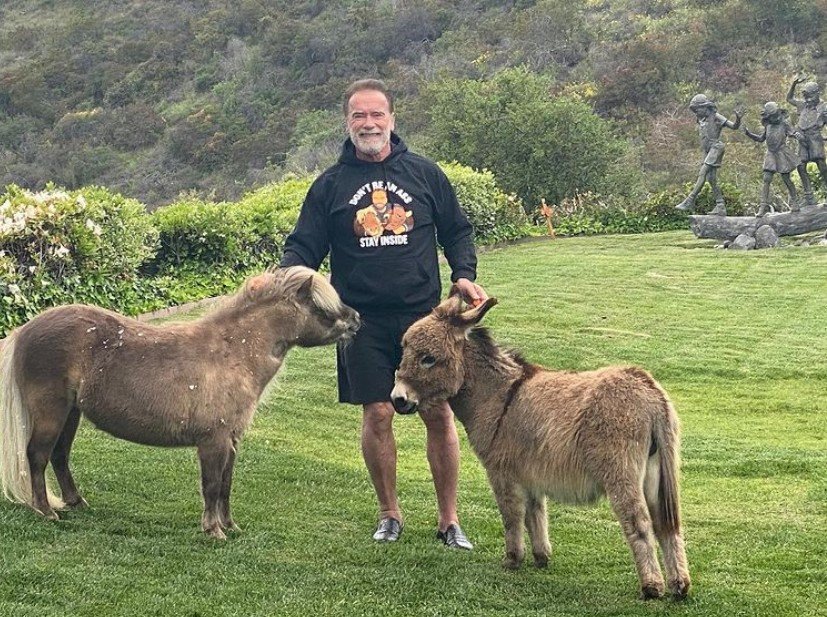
{"type": "Point", "coordinates": [738, 339]}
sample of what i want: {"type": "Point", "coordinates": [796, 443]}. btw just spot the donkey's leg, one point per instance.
{"type": "Point", "coordinates": [630, 508]}
{"type": "Point", "coordinates": [60, 461]}
{"type": "Point", "coordinates": [667, 530]}
{"type": "Point", "coordinates": [536, 521]}
{"type": "Point", "coordinates": [674, 560]}
{"type": "Point", "coordinates": [213, 456]}
{"type": "Point", "coordinates": [511, 501]}
{"type": "Point", "coordinates": [225, 518]}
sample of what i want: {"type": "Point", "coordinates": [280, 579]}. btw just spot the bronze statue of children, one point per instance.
{"type": "Point", "coordinates": [710, 124]}
{"type": "Point", "coordinates": [779, 158]}
{"type": "Point", "coordinates": [812, 116]}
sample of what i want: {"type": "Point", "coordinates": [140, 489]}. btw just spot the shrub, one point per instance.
{"type": "Point", "coordinates": [589, 213]}
{"type": "Point", "coordinates": [495, 216]}
{"type": "Point", "coordinates": [538, 146]}
{"type": "Point", "coordinates": [58, 247]}
{"type": "Point", "coordinates": [206, 248]}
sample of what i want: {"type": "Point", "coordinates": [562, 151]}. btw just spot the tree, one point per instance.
{"type": "Point", "coordinates": [537, 145]}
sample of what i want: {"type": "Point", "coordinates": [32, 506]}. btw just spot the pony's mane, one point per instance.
{"type": "Point", "coordinates": [279, 282]}
{"type": "Point", "coordinates": [489, 347]}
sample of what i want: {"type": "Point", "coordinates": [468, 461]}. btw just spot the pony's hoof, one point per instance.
{"type": "Point", "coordinates": [79, 504]}
{"type": "Point", "coordinates": [650, 591]}
{"type": "Point", "coordinates": [680, 588]}
{"type": "Point", "coordinates": [49, 515]}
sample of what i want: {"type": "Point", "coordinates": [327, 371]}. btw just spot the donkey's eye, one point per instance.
{"type": "Point", "coordinates": [427, 361]}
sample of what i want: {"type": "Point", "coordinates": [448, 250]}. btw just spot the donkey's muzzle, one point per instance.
{"type": "Point", "coordinates": [403, 405]}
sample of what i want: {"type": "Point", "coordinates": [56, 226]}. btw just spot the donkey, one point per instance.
{"type": "Point", "coordinates": [189, 384]}
{"type": "Point", "coordinates": [570, 436]}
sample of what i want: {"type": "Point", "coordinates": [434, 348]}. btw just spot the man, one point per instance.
{"type": "Point", "coordinates": [812, 116]}
{"type": "Point", "coordinates": [710, 124]}
{"type": "Point", "coordinates": [389, 273]}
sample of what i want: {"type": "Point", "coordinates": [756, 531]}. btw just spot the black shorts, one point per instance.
{"type": "Point", "coordinates": [366, 365]}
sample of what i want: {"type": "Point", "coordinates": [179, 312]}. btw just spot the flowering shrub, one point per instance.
{"type": "Point", "coordinates": [494, 215]}
{"type": "Point", "coordinates": [97, 247]}
{"type": "Point", "coordinates": [58, 246]}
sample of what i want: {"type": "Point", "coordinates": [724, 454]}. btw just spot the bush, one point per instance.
{"type": "Point", "coordinates": [80, 246]}
{"type": "Point", "coordinates": [206, 248]}
{"type": "Point", "coordinates": [590, 213]}
{"type": "Point", "coordinates": [538, 146]}
{"type": "Point", "coordinates": [97, 247]}
{"type": "Point", "coordinates": [495, 216]}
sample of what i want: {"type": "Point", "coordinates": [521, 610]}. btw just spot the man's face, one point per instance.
{"type": "Point", "coordinates": [370, 122]}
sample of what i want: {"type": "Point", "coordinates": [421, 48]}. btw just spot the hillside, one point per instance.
{"type": "Point", "coordinates": [153, 97]}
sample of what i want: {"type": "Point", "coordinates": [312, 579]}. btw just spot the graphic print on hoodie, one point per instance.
{"type": "Point", "coordinates": [382, 217]}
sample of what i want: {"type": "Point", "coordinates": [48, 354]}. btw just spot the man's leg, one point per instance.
{"type": "Point", "coordinates": [443, 457]}
{"type": "Point", "coordinates": [379, 452]}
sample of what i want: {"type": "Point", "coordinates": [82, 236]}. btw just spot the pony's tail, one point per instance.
{"type": "Point", "coordinates": [15, 432]}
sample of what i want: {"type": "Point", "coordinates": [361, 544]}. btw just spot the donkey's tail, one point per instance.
{"type": "Point", "coordinates": [15, 432]}
{"type": "Point", "coordinates": [661, 488]}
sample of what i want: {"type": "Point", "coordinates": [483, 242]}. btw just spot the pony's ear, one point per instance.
{"type": "Point", "coordinates": [305, 290]}
{"type": "Point", "coordinates": [256, 284]}
{"type": "Point", "coordinates": [474, 315]}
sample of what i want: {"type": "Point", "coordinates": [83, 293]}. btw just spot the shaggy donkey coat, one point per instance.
{"type": "Point", "coordinates": [190, 384]}
{"type": "Point", "coordinates": [570, 436]}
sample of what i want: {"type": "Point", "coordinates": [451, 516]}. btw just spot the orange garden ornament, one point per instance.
{"type": "Point", "coordinates": [547, 212]}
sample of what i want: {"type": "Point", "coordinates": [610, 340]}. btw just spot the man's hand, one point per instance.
{"type": "Point", "coordinates": [472, 293]}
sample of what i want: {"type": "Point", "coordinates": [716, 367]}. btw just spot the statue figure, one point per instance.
{"type": "Point", "coordinates": [710, 124]}
{"type": "Point", "coordinates": [779, 158]}
{"type": "Point", "coordinates": [812, 116]}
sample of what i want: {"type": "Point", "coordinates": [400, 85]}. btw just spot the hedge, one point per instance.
{"type": "Point", "coordinates": [94, 246]}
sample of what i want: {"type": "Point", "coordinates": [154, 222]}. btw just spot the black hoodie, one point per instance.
{"type": "Point", "coordinates": [381, 222]}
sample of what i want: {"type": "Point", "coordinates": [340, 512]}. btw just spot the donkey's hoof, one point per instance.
{"type": "Point", "coordinates": [680, 588]}
{"type": "Point", "coordinates": [651, 591]}
{"type": "Point", "coordinates": [512, 561]}
{"type": "Point", "coordinates": [231, 526]}
{"type": "Point", "coordinates": [216, 533]}
{"type": "Point", "coordinates": [540, 561]}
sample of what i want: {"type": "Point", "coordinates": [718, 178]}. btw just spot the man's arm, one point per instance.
{"type": "Point", "coordinates": [309, 242]}
{"type": "Point", "coordinates": [456, 236]}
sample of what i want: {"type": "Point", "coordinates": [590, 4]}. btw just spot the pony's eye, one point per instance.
{"type": "Point", "coordinates": [427, 361]}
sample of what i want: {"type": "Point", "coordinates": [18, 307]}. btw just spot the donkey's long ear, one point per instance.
{"type": "Point", "coordinates": [450, 308]}
{"type": "Point", "coordinates": [473, 316]}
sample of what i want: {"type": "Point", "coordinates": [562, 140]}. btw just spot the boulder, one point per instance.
{"type": "Point", "coordinates": [765, 237]}
{"type": "Point", "coordinates": [743, 242]}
